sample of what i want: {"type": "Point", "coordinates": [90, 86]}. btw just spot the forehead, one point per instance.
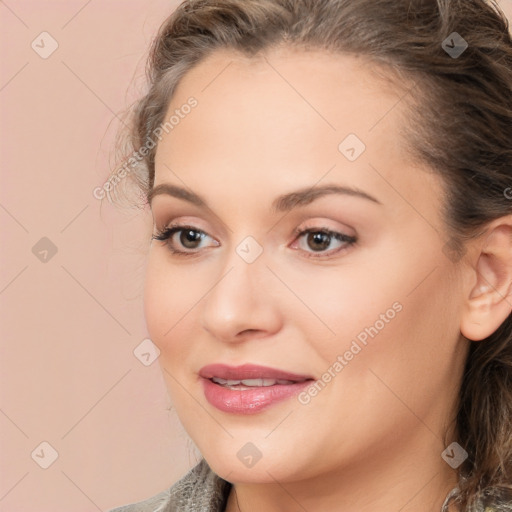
{"type": "Point", "coordinates": [281, 117]}
{"type": "Point", "coordinates": [285, 91]}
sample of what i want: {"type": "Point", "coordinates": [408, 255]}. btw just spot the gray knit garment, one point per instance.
{"type": "Point", "coordinates": [200, 490]}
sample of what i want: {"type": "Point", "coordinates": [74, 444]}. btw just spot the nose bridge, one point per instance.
{"type": "Point", "coordinates": [235, 289]}
{"type": "Point", "coordinates": [244, 267]}
{"type": "Point", "coordinates": [239, 300]}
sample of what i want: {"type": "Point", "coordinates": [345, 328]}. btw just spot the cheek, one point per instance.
{"type": "Point", "coordinates": [156, 300]}
{"type": "Point", "coordinates": [401, 345]}
{"type": "Point", "coordinates": [398, 315]}
{"type": "Point", "coordinates": [338, 305]}
{"type": "Point", "coordinates": [169, 295]}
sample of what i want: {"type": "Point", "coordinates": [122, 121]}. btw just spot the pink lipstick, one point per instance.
{"type": "Point", "coordinates": [249, 389]}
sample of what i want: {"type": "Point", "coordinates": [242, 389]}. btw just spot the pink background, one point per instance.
{"type": "Point", "coordinates": [70, 324]}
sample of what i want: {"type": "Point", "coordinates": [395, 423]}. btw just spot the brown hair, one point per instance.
{"type": "Point", "coordinates": [460, 124]}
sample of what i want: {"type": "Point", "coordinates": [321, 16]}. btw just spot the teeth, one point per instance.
{"type": "Point", "coordinates": [259, 382]}
{"type": "Point", "coordinates": [251, 382]}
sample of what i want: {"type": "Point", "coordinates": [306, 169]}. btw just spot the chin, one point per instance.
{"type": "Point", "coordinates": [234, 471]}
{"type": "Point", "coordinates": [242, 461]}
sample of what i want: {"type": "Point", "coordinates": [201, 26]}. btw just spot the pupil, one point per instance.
{"type": "Point", "coordinates": [189, 238]}
{"type": "Point", "coordinates": [319, 241]}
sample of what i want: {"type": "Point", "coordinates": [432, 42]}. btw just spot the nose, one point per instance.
{"type": "Point", "coordinates": [242, 303]}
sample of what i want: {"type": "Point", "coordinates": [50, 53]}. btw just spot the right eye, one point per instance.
{"type": "Point", "coordinates": [178, 237]}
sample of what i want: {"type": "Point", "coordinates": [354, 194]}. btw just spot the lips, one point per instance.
{"type": "Point", "coordinates": [249, 389]}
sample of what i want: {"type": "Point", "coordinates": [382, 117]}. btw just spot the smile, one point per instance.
{"type": "Point", "coordinates": [249, 389]}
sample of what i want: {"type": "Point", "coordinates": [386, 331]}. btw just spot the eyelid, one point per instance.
{"type": "Point", "coordinates": [168, 212]}
{"type": "Point", "coordinates": [184, 221]}
{"type": "Point", "coordinates": [321, 225]}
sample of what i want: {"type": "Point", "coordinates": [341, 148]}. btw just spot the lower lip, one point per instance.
{"type": "Point", "coordinates": [250, 400]}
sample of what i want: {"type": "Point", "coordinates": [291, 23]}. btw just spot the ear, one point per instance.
{"type": "Point", "coordinates": [489, 301]}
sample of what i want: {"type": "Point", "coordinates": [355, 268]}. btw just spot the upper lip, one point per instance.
{"type": "Point", "coordinates": [248, 371]}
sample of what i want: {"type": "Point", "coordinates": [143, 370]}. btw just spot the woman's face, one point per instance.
{"type": "Point", "coordinates": [314, 259]}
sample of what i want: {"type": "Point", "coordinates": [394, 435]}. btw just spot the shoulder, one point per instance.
{"type": "Point", "coordinates": [200, 490]}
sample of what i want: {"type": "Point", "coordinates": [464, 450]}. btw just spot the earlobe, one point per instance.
{"type": "Point", "coordinates": [489, 301]}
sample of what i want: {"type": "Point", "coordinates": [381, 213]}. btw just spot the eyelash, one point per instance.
{"type": "Point", "coordinates": [166, 234]}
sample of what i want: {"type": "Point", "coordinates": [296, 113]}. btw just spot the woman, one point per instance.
{"type": "Point", "coordinates": [330, 277]}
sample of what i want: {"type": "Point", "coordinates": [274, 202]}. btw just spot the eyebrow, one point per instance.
{"type": "Point", "coordinates": [283, 203]}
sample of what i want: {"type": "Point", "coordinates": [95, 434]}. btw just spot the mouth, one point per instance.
{"type": "Point", "coordinates": [249, 389]}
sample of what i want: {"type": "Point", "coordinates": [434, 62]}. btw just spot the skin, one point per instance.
{"type": "Point", "coordinates": [373, 437]}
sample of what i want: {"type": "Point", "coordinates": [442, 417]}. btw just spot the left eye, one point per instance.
{"type": "Point", "coordinates": [320, 240]}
